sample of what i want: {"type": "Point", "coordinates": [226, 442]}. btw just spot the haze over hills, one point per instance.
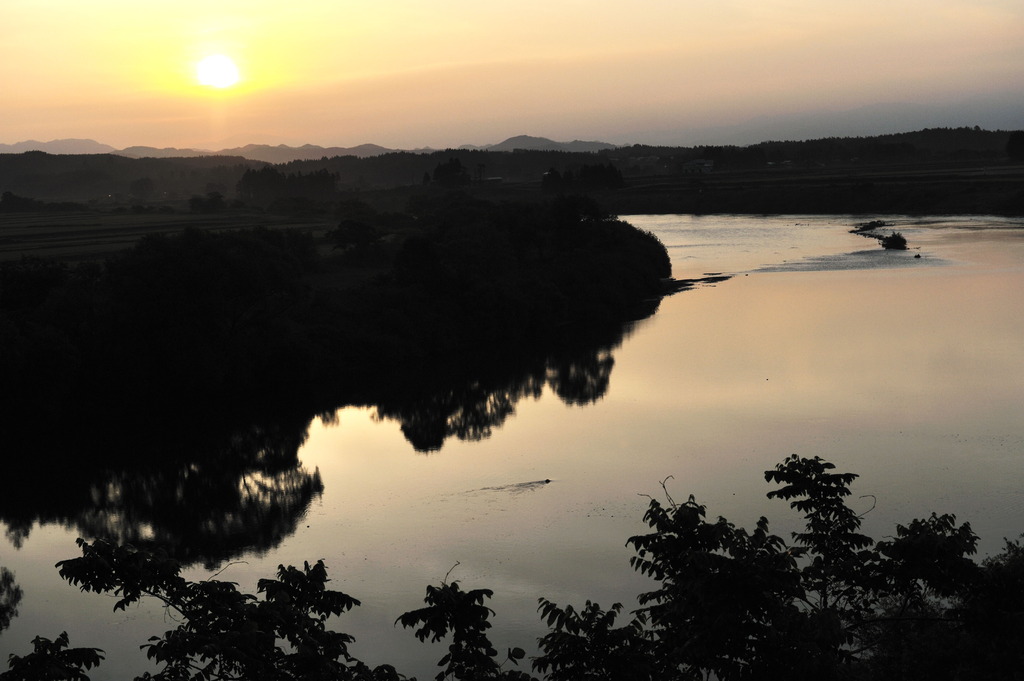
{"type": "Point", "coordinates": [282, 153]}
{"type": "Point", "coordinates": [994, 112]}
{"type": "Point", "coordinates": [257, 152]}
{"type": "Point", "coordinates": [63, 146]}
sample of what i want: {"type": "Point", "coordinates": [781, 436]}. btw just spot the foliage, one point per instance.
{"type": "Point", "coordinates": [726, 600]}
{"type": "Point", "coordinates": [1015, 145]}
{"type": "Point", "coordinates": [353, 234]}
{"type": "Point", "coordinates": [726, 604]}
{"type": "Point", "coordinates": [52, 661]}
{"type": "Point", "coordinates": [451, 173]}
{"type": "Point", "coordinates": [267, 185]}
{"type": "Point", "coordinates": [748, 606]}
{"type": "Point", "coordinates": [25, 284]}
{"type": "Point", "coordinates": [12, 203]}
{"type": "Point", "coordinates": [471, 655]}
{"type": "Point", "coordinates": [894, 241]}
{"type": "Point", "coordinates": [225, 634]}
{"type": "Point", "coordinates": [213, 202]}
{"type": "Point", "coordinates": [253, 317]}
{"type": "Point", "coordinates": [588, 178]}
{"type": "Point", "coordinates": [586, 646]}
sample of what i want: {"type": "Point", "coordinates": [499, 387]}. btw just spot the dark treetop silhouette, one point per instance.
{"type": "Point", "coordinates": [725, 603]}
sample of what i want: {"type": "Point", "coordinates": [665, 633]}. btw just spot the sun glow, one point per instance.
{"type": "Point", "coordinates": [217, 71]}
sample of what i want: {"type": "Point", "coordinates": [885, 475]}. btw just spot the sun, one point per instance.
{"type": "Point", "coordinates": [217, 71]}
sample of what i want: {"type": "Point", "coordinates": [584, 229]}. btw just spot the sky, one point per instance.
{"type": "Point", "coordinates": [442, 73]}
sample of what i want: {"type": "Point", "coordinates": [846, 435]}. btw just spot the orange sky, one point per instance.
{"type": "Point", "coordinates": [409, 74]}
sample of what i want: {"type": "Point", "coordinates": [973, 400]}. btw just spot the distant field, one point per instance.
{"type": "Point", "coordinates": [94, 235]}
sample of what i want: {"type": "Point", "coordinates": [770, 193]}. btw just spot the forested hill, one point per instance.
{"type": "Point", "coordinates": [112, 179]}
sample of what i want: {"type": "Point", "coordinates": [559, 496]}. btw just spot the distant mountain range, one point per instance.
{"type": "Point", "coordinates": [68, 146]}
{"type": "Point", "coordinates": [283, 153]}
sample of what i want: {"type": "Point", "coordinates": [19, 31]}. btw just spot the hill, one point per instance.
{"type": "Point", "coordinates": [965, 170]}
{"type": "Point", "coordinates": [64, 146]}
{"type": "Point", "coordinates": [526, 142]}
{"type": "Point", "coordinates": [282, 153]}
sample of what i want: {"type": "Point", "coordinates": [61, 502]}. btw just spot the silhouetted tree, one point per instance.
{"type": "Point", "coordinates": [11, 203]}
{"type": "Point", "coordinates": [213, 202]}
{"type": "Point", "coordinates": [727, 603]}
{"type": "Point", "coordinates": [463, 615]}
{"type": "Point", "coordinates": [353, 234]}
{"type": "Point", "coordinates": [600, 177]}
{"type": "Point", "coordinates": [551, 182]}
{"type": "Point", "coordinates": [1015, 145]}
{"type": "Point", "coordinates": [451, 173]}
{"type": "Point", "coordinates": [25, 284]}
{"type": "Point", "coordinates": [894, 241]}
{"type": "Point", "coordinates": [260, 186]}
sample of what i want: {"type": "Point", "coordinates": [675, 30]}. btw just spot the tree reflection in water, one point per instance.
{"type": "Point", "coordinates": [200, 512]}
{"type": "Point", "coordinates": [469, 411]}
{"type": "Point", "coordinates": [206, 497]}
{"type": "Point", "coordinates": [582, 380]}
{"type": "Point", "coordinates": [579, 373]}
{"type": "Point", "coordinates": [247, 495]}
{"type": "Point", "coordinates": [10, 597]}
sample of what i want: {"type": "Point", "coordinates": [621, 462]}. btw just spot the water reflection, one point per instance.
{"type": "Point", "coordinates": [245, 494]}
{"type": "Point", "coordinates": [472, 406]}
{"type": "Point", "coordinates": [208, 493]}
{"type": "Point", "coordinates": [10, 597]}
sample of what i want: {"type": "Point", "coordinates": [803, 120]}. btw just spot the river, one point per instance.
{"type": "Point", "coordinates": [906, 370]}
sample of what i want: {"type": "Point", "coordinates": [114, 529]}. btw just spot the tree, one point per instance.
{"type": "Point", "coordinates": [463, 614]}
{"type": "Point", "coordinates": [12, 203]}
{"type": "Point", "coordinates": [451, 173]}
{"type": "Point", "coordinates": [894, 241]}
{"type": "Point", "coordinates": [353, 234]}
{"type": "Point", "coordinates": [213, 202]}
{"type": "Point", "coordinates": [142, 188]}
{"type": "Point", "coordinates": [260, 186]}
{"type": "Point", "coordinates": [741, 605]}
{"type": "Point", "coordinates": [224, 634]}
{"type": "Point", "coordinates": [586, 646]}
{"type": "Point", "coordinates": [53, 661]}
{"type": "Point", "coordinates": [601, 177]}
{"type": "Point", "coordinates": [551, 182]}
{"type": "Point", "coordinates": [1015, 145]}
{"type": "Point", "coordinates": [727, 604]}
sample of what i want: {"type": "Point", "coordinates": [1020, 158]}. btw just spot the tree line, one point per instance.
{"type": "Point", "coordinates": [106, 178]}
{"type": "Point", "coordinates": [260, 319]}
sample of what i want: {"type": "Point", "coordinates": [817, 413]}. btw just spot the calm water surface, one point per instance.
{"type": "Point", "coordinates": [908, 371]}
